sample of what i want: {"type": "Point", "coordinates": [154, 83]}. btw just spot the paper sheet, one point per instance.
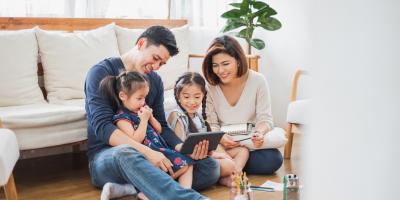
{"type": "Point", "coordinates": [275, 185]}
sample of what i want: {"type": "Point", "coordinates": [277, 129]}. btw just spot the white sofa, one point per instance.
{"type": "Point", "coordinates": [58, 117]}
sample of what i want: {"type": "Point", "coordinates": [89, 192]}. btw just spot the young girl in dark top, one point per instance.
{"type": "Point", "coordinates": [190, 93]}
{"type": "Point", "coordinates": [127, 92]}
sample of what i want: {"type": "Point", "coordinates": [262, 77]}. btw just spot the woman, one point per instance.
{"type": "Point", "coordinates": [236, 96]}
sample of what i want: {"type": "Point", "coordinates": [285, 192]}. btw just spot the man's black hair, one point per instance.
{"type": "Point", "coordinates": [157, 35]}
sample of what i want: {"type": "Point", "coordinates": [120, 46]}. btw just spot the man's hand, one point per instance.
{"type": "Point", "coordinates": [257, 139]}
{"type": "Point", "coordinates": [159, 160]}
{"type": "Point", "coordinates": [228, 142]}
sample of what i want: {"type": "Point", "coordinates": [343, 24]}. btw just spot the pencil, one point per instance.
{"type": "Point", "coordinates": [243, 139]}
{"type": "Point", "coordinates": [259, 188]}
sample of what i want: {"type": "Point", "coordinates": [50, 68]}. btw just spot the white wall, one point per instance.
{"type": "Point", "coordinates": [352, 147]}
{"type": "Point", "coordinates": [284, 52]}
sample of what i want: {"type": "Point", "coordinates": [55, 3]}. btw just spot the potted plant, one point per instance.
{"type": "Point", "coordinates": [248, 15]}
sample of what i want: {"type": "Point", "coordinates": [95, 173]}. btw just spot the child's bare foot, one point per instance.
{"type": "Point", "coordinates": [141, 196]}
{"type": "Point", "coordinates": [225, 181]}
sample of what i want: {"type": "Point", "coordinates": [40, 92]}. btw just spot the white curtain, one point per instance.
{"type": "Point", "coordinates": [201, 12]}
{"type": "Point", "coordinates": [198, 12]}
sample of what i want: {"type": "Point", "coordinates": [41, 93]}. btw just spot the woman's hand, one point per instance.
{"type": "Point", "coordinates": [228, 142]}
{"type": "Point", "coordinates": [257, 139]}
{"type": "Point", "coordinates": [200, 151]}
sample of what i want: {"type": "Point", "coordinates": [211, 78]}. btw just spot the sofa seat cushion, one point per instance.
{"type": "Point", "coordinates": [45, 125]}
{"type": "Point", "coordinates": [298, 111]}
{"type": "Point", "coordinates": [72, 102]}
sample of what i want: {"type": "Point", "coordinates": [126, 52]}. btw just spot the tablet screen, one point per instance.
{"type": "Point", "coordinates": [195, 138]}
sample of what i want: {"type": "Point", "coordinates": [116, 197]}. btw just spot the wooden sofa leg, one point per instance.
{"type": "Point", "coordinates": [10, 190]}
{"type": "Point", "coordinates": [288, 146]}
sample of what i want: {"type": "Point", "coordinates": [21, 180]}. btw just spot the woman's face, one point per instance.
{"type": "Point", "coordinates": [225, 67]}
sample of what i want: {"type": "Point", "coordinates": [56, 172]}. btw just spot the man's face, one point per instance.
{"type": "Point", "coordinates": [151, 58]}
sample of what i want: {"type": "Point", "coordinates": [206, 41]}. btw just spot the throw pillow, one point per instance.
{"type": "Point", "coordinates": [66, 58]}
{"type": "Point", "coordinates": [18, 68]}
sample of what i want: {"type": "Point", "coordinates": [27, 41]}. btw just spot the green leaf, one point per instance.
{"type": "Point", "coordinates": [257, 43]}
{"type": "Point", "coordinates": [233, 24]}
{"type": "Point", "coordinates": [245, 6]}
{"type": "Point", "coordinates": [234, 13]}
{"type": "Point", "coordinates": [270, 11]}
{"type": "Point", "coordinates": [258, 4]}
{"type": "Point", "coordinates": [246, 33]}
{"type": "Point", "coordinates": [260, 13]}
{"type": "Point", "coordinates": [270, 23]}
{"type": "Point", "coordinates": [236, 5]}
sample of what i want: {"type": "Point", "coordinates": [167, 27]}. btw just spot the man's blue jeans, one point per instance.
{"type": "Point", "coordinates": [124, 164]}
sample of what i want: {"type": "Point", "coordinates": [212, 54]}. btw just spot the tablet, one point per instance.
{"type": "Point", "coordinates": [195, 138]}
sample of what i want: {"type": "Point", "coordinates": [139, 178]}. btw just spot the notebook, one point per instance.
{"type": "Point", "coordinates": [237, 129]}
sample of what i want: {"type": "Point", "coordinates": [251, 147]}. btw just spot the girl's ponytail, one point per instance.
{"type": "Point", "coordinates": [203, 111]}
{"type": "Point", "coordinates": [108, 88]}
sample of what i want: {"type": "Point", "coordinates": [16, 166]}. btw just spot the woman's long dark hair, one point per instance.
{"type": "Point", "coordinates": [128, 82]}
{"type": "Point", "coordinates": [192, 78]}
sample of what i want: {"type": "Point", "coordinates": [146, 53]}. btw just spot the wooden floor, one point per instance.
{"type": "Point", "coordinates": [61, 177]}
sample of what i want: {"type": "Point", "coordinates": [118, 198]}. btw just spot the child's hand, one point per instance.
{"type": "Point", "coordinates": [149, 109]}
{"type": "Point", "coordinates": [144, 114]}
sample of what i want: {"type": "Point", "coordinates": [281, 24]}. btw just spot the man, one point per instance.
{"type": "Point", "coordinates": [116, 158]}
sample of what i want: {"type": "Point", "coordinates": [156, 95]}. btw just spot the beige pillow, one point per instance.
{"type": "Point", "coordinates": [18, 68]}
{"type": "Point", "coordinates": [66, 58]}
{"type": "Point", "coordinates": [175, 65]}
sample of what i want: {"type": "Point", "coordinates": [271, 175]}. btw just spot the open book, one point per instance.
{"type": "Point", "coordinates": [237, 129]}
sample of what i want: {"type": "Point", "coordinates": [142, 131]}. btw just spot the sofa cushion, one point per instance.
{"type": "Point", "coordinates": [175, 66]}
{"type": "Point", "coordinates": [169, 102]}
{"type": "Point", "coordinates": [9, 154]}
{"type": "Point", "coordinates": [18, 68]}
{"type": "Point", "coordinates": [66, 58]}
{"type": "Point", "coordinates": [44, 125]}
{"type": "Point", "coordinates": [298, 111]}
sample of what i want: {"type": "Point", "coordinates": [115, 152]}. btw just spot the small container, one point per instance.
{"type": "Point", "coordinates": [291, 187]}
{"type": "Point", "coordinates": [241, 195]}
{"type": "Point", "coordinates": [240, 188]}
